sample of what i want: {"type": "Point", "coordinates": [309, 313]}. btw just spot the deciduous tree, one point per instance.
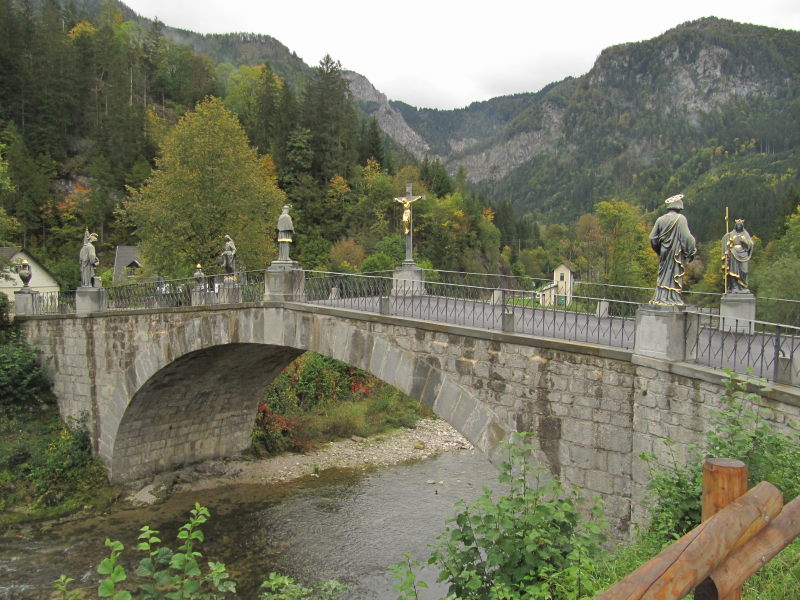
{"type": "Point", "coordinates": [208, 182]}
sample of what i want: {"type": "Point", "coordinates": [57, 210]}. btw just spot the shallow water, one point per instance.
{"type": "Point", "coordinates": [341, 525]}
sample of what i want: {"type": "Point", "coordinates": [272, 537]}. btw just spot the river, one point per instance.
{"type": "Point", "coordinates": [345, 525]}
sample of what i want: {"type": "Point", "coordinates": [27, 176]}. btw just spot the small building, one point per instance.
{"type": "Point", "coordinates": [41, 279]}
{"type": "Point", "coordinates": [127, 263]}
{"type": "Point", "coordinates": [558, 293]}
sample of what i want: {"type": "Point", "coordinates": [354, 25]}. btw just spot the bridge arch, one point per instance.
{"type": "Point", "coordinates": [182, 385]}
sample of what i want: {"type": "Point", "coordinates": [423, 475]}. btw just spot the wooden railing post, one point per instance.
{"type": "Point", "coordinates": [724, 480]}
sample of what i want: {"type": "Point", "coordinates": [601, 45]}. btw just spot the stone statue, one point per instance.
{"type": "Point", "coordinates": [88, 259]}
{"type": "Point", "coordinates": [199, 278]}
{"type": "Point", "coordinates": [285, 231]}
{"type": "Point", "coordinates": [675, 246]}
{"type": "Point", "coordinates": [228, 256]}
{"type": "Point", "coordinates": [737, 249]}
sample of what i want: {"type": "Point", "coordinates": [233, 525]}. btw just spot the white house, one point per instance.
{"type": "Point", "coordinates": [558, 293]}
{"type": "Point", "coordinates": [41, 279]}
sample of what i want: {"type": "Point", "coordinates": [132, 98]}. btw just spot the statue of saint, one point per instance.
{"type": "Point", "coordinates": [737, 249]}
{"type": "Point", "coordinates": [228, 256]}
{"type": "Point", "coordinates": [675, 246]}
{"type": "Point", "coordinates": [285, 231]}
{"type": "Point", "coordinates": [88, 259]}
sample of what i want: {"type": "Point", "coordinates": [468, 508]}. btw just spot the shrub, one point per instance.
{"type": "Point", "coordinates": [530, 542]}
{"type": "Point", "coordinates": [23, 382]}
{"type": "Point", "coordinates": [736, 431]}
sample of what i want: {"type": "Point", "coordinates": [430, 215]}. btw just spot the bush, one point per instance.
{"type": "Point", "coordinates": [316, 399]}
{"type": "Point", "coordinates": [736, 431]}
{"type": "Point", "coordinates": [23, 382]}
{"type": "Point", "coordinates": [529, 543]}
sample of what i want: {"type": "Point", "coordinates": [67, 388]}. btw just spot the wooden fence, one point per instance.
{"type": "Point", "coordinates": [740, 532]}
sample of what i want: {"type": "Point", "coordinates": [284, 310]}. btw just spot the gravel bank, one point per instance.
{"type": "Point", "coordinates": [428, 438]}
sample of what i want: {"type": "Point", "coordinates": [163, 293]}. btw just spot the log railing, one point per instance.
{"type": "Point", "coordinates": [738, 536]}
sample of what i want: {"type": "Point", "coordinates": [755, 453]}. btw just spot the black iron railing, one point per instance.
{"type": "Point", "coordinates": [768, 350]}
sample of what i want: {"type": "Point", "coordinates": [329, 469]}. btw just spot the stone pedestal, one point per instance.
{"type": "Point", "coordinates": [788, 371]}
{"type": "Point", "coordinates": [89, 300]}
{"type": "Point", "coordinates": [25, 301]}
{"type": "Point", "coordinates": [385, 305]}
{"type": "Point", "coordinates": [508, 323]}
{"type": "Point", "coordinates": [660, 332]}
{"type": "Point", "coordinates": [284, 280]}
{"type": "Point", "coordinates": [202, 297]}
{"type": "Point", "coordinates": [408, 280]}
{"type": "Point", "coordinates": [737, 311]}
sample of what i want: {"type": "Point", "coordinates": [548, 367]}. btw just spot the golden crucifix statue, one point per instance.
{"type": "Point", "coordinates": [406, 201]}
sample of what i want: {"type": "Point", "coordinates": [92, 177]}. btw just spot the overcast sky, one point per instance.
{"type": "Point", "coordinates": [446, 53]}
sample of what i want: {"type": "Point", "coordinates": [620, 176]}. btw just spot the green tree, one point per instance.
{"type": "Point", "coordinates": [208, 182]}
{"type": "Point", "coordinates": [370, 143]}
{"type": "Point", "coordinates": [330, 116]}
{"type": "Point", "coordinates": [5, 179]}
{"type": "Point", "coordinates": [625, 254]}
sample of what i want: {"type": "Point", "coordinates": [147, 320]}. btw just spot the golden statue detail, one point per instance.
{"type": "Point", "coordinates": [406, 201]}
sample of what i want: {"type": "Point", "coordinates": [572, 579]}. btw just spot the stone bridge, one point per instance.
{"type": "Point", "coordinates": [166, 387]}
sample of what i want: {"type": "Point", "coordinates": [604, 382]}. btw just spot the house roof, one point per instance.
{"type": "Point", "coordinates": [125, 256]}
{"type": "Point", "coordinates": [9, 252]}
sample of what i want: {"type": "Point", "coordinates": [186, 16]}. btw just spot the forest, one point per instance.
{"type": "Point", "coordinates": [108, 124]}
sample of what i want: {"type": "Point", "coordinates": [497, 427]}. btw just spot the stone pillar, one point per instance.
{"type": "Point", "coordinates": [284, 280]}
{"type": "Point", "coordinates": [508, 320]}
{"type": "Point", "coordinates": [89, 300]}
{"type": "Point", "coordinates": [203, 296]}
{"type": "Point", "coordinates": [660, 332]}
{"type": "Point", "coordinates": [25, 301]}
{"type": "Point", "coordinates": [737, 311]}
{"type": "Point", "coordinates": [788, 370]}
{"type": "Point", "coordinates": [409, 280]}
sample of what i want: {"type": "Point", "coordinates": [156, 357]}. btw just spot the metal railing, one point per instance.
{"type": "Point", "coordinates": [54, 303]}
{"type": "Point", "coordinates": [586, 319]}
{"type": "Point", "coordinates": [768, 350]}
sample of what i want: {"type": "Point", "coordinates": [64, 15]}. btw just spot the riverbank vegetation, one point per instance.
{"type": "Point", "coordinates": [46, 465]}
{"type": "Point", "coordinates": [318, 399]}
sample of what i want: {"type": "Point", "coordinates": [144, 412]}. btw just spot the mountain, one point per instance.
{"type": "Point", "coordinates": [708, 108]}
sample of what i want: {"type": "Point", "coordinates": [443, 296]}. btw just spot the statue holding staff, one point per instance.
{"type": "Point", "coordinates": [88, 259]}
{"type": "Point", "coordinates": [228, 256]}
{"type": "Point", "coordinates": [737, 250]}
{"type": "Point", "coordinates": [675, 246]}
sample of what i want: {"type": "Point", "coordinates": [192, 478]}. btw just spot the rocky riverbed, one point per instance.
{"type": "Point", "coordinates": [428, 438]}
